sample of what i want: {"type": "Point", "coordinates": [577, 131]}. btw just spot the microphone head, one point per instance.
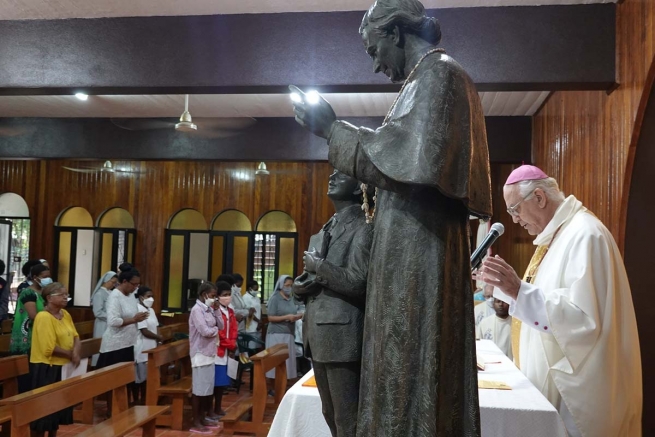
{"type": "Point", "coordinates": [498, 227]}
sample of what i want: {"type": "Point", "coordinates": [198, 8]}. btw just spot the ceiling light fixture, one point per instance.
{"type": "Point", "coordinates": [82, 96]}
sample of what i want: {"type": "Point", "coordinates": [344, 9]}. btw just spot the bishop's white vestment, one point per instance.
{"type": "Point", "coordinates": [578, 340]}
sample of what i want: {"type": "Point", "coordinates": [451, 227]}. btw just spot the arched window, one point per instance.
{"type": "Point", "coordinates": [116, 239]}
{"type": "Point", "coordinates": [186, 263]}
{"type": "Point", "coordinates": [231, 244]}
{"type": "Point", "coordinates": [14, 236]}
{"type": "Point", "coordinates": [276, 250]}
{"type": "Point", "coordinates": [74, 249]}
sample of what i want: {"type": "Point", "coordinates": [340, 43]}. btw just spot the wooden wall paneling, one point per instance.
{"type": "Point", "coordinates": [163, 188]}
{"type": "Point", "coordinates": [582, 138]}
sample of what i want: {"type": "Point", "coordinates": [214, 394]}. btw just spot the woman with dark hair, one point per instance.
{"type": "Point", "coordinates": [205, 321]}
{"type": "Point", "coordinates": [147, 338]}
{"type": "Point", "coordinates": [124, 267]}
{"type": "Point", "coordinates": [26, 270]}
{"type": "Point", "coordinates": [123, 314]}
{"type": "Point", "coordinates": [56, 343]}
{"type": "Point", "coordinates": [29, 303]}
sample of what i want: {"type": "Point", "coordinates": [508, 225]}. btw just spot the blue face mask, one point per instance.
{"type": "Point", "coordinates": [286, 290]}
{"type": "Point", "coordinates": [45, 281]}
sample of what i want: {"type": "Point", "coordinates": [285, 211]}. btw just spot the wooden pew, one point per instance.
{"type": "Point", "coordinates": [10, 369]}
{"type": "Point", "coordinates": [4, 344]}
{"type": "Point", "coordinates": [35, 404]}
{"type": "Point", "coordinates": [6, 326]}
{"type": "Point", "coordinates": [272, 358]}
{"type": "Point", "coordinates": [88, 348]}
{"type": "Point", "coordinates": [167, 331]}
{"type": "Point", "coordinates": [85, 329]}
{"type": "Point", "coordinates": [178, 391]}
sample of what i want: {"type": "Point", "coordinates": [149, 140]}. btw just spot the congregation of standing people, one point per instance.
{"type": "Point", "coordinates": [127, 325]}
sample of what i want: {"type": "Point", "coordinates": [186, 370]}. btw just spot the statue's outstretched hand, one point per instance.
{"type": "Point", "coordinates": [311, 260]}
{"type": "Point", "coordinates": [312, 111]}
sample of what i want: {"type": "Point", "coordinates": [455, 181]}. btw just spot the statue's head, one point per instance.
{"type": "Point", "coordinates": [343, 187]}
{"type": "Point", "coordinates": [385, 29]}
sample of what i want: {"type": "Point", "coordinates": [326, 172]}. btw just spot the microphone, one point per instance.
{"type": "Point", "coordinates": [497, 229]}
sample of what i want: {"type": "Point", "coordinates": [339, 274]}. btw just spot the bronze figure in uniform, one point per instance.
{"type": "Point", "coordinates": [333, 286]}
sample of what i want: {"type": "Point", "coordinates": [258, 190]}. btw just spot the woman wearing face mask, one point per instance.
{"type": "Point", "coordinates": [146, 339]}
{"type": "Point", "coordinates": [123, 314]}
{"type": "Point", "coordinates": [252, 301]}
{"type": "Point", "coordinates": [282, 317]}
{"type": "Point", "coordinates": [99, 302]}
{"type": "Point", "coordinates": [227, 342]}
{"type": "Point", "coordinates": [55, 344]}
{"type": "Point", "coordinates": [205, 321]}
{"type": "Point", "coordinates": [29, 304]}
{"type": "Point", "coordinates": [27, 273]}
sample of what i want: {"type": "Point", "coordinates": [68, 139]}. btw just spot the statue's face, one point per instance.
{"type": "Point", "coordinates": [388, 57]}
{"type": "Point", "coordinates": [341, 186]}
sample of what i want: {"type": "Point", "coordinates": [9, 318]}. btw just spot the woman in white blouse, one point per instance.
{"type": "Point", "coordinates": [122, 317]}
{"type": "Point", "coordinates": [146, 339]}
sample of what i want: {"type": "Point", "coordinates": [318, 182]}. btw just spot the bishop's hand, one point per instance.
{"type": "Point", "coordinates": [497, 272]}
{"type": "Point", "coordinates": [312, 111]}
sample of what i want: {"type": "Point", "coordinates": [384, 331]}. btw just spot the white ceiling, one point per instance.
{"type": "Point", "coordinates": [53, 9]}
{"type": "Point", "coordinates": [237, 105]}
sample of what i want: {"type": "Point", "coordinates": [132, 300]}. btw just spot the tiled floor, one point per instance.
{"type": "Point", "coordinates": [100, 409]}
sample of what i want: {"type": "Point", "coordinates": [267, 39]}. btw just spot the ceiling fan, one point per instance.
{"type": "Point", "coordinates": [107, 167]}
{"type": "Point", "coordinates": [205, 127]}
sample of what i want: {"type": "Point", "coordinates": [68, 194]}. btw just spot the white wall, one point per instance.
{"type": "Point", "coordinates": [84, 281]}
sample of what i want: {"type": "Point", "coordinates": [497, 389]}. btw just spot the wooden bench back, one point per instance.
{"type": "Point", "coordinates": [274, 357]}
{"type": "Point", "coordinates": [162, 355]}
{"type": "Point", "coordinates": [10, 369]}
{"type": "Point", "coordinates": [90, 347]}
{"type": "Point", "coordinates": [4, 344]}
{"type": "Point", "coordinates": [167, 331]}
{"type": "Point", "coordinates": [85, 329]}
{"type": "Point", "coordinates": [6, 326]}
{"type": "Point", "coordinates": [38, 403]}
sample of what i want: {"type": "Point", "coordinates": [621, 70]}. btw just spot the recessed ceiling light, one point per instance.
{"type": "Point", "coordinates": [82, 96]}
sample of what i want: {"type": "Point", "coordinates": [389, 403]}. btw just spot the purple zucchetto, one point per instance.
{"type": "Point", "coordinates": [526, 173]}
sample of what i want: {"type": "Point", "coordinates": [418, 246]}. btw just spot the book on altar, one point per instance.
{"type": "Point", "coordinates": [311, 382]}
{"type": "Point", "coordinates": [496, 385]}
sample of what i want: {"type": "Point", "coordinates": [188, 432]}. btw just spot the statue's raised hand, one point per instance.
{"type": "Point", "coordinates": [313, 112]}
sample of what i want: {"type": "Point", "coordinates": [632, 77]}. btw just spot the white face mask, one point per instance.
{"type": "Point", "coordinates": [236, 289]}
{"type": "Point", "coordinates": [148, 302]}
{"type": "Point", "coordinates": [210, 301]}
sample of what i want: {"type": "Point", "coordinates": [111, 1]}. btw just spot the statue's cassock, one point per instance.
{"type": "Point", "coordinates": [430, 161]}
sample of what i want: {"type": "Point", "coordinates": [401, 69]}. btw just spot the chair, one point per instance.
{"type": "Point", "coordinates": [243, 342]}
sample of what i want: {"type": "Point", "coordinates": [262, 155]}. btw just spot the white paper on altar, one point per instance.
{"type": "Point", "coordinates": [68, 370]}
{"type": "Point", "coordinates": [522, 411]}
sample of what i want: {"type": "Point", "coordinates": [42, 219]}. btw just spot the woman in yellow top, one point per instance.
{"type": "Point", "coordinates": [55, 343]}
